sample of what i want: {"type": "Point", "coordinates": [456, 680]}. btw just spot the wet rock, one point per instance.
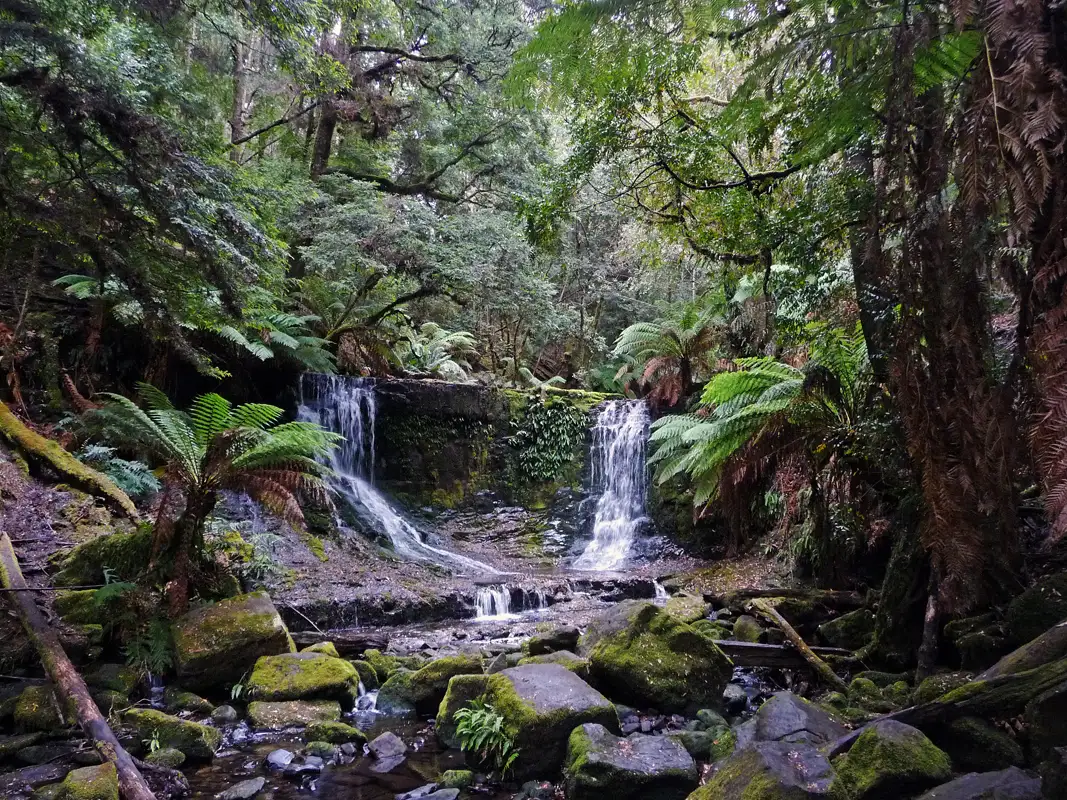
{"type": "Point", "coordinates": [38, 709]}
{"type": "Point", "coordinates": [713, 629]}
{"type": "Point", "coordinates": [323, 750]}
{"type": "Point", "coordinates": [642, 655]}
{"type": "Point", "coordinates": [91, 783]}
{"type": "Point", "coordinates": [279, 759]}
{"type": "Point", "coordinates": [540, 703]}
{"type": "Point", "coordinates": [424, 689]}
{"type": "Point", "coordinates": [747, 629]}
{"type": "Point", "coordinates": [553, 641]}
{"type": "Point", "coordinates": [166, 757]}
{"type": "Point", "coordinates": [367, 675]}
{"type": "Point", "coordinates": [304, 676]}
{"type": "Point", "coordinates": [890, 760]}
{"type": "Point", "coordinates": [116, 677]}
{"type": "Point", "coordinates": [325, 648]}
{"type": "Point", "coordinates": [44, 753]}
{"type": "Point", "coordinates": [245, 790]}
{"type": "Point", "coordinates": [536, 790]}
{"type": "Point", "coordinates": [707, 745]}
{"type": "Point", "coordinates": [975, 744]}
{"type": "Point", "coordinates": [687, 608]}
{"type": "Point", "coordinates": [791, 719]}
{"type": "Point", "coordinates": [388, 745]}
{"type": "Point", "coordinates": [600, 764]}
{"type": "Point", "coordinates": [224, 715]}
{"type": "Point", "coordinates": [936, 685]}
{"type": "Point", "coordinates": [176, 699]}
{"type": "Point", "coordinates": [851, 631]}
{"type": "Point", "coordinates": [1007, 784]}
{"type": "Point", "coordinates": [1037, 609]}
{"type": "Point", "coordinates": [277, 716]}
{"type": "Point", "coordinates": [419, 793]}
{"type": "Point", "coordinates": [195, 740]}
{"type": "Point", "coordinates": [334, 733]}
{"type": "Point", "coordinates": [734, 698]}
{"type": "Point", "coordinates": [308, 765]}
{"type": "Point", "coordinates": [456, 779]}
{"type": "Point", "coordinates": [565, 658]}
{"type": "Point", "coordinates": [215, 645]}
{"type": "Point", "coordinates": [23, 780]}
{"type": "Point", "coordinates": [771, 771]}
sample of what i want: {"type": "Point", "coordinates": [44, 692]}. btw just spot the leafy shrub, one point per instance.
{"type": "Point", "coordinates": [547, 437]}
{"type": "Point", "coordinates": [133, 477]}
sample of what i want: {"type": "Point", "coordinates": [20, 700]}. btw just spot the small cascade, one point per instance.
{"type": "Point", "coordinates": [620, 437]}
{"type": "Point", "coordinates": [661, 597]}
{"type": "Point", "coordinates": [496, 602]}
{"type": "Point", "coordinates": [348, 406]}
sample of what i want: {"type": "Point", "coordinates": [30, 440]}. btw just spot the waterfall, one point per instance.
{"type": "Point", "coordinates": [619, 440]}
{"type": "Point", "coordinates": [348, 406]}
{"type": "Point", "coordinates": [494, 602]}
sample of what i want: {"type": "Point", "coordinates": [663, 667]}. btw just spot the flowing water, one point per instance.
{"type": "Point", "coordinates": [348, 406]}
{"type": "Point", "coordinates": [620, 437]}
{"type": "Point", "coordinates": [497, 602]}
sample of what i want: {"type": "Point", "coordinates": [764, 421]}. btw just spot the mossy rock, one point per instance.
{"type": "Point", "coordinates": [851, 631]}
{"type": "Point", "coordinates": [116, 677]}
{"type": "Point", "coordinates": [1046, 717]}
{"type": "Point", "coordinates": [109, 701]}
{"type": "Point", "coordinates": [642, 656]}
{"type": "Point", "coordinates": [320, 749]}
{"type": "Point", "coordinates": [304, 676]}
{"type": "Point", "coordinates": [770, 771]}
{"type": "Point", "coordinates": [565, 638]}
{"type": "Point", "coordinates": [540, 703]}
{"type": "Point", "coordinates": [713, 629]}
{"type": "Point", "coordinates": [865, 693]}
{"type": "Point", "coordinates": [176, 699]}
{"type": "Point", "coordinates": [91, 783]}
{"type": "Point", "coordinates": [884, 679]}
{"type": "Point", "coordinates": [9, 745]}
{"type": "Point", "coordinates": [79, 607]}
{"type": "Point", "coordinates": [565, 658]}
{"type": "Point", "coordinates": [326, 648]}
{"type": "Point", "coordinates": [168, 757]}
{"type": "Point", "coordinates": [195, 740]}
{"type": "Point", "coordinates": [334, 733]}
{"type": "Point", "coordinates": [216, 645]}
{"type": "Point", "coordinates": [50, 791]}
{"type": "Point", "coordinates": [600, 764]}
{"type": "Point", "coordinates": [276, 716]}
{"type": "Point", "coordinates": [38, 708]}
{"type": "Point", "coordinates": [980, 650]}
{"type": "Point", "coordinates": [937, 685]}
{"type": "Point", "coordinates": [456, 779]}
{"type": "Point", "coordinates": [124, 553]}
{"type": "Point", "coordinates": [1037, 609]}
{"type": "Point", "coordinates": [686, 607]}
{"type": "Point", "coordinates": [898, 694]}
{"type": "Point", "coordinates": [424, 689]}
{"type": "Point", "coordinates": [368, 676]}
{"type": "Point", "coordinates": [977, 745]}
{"type": "Point", "coordinates": [747, 629]}
{"type": "Point", "coordinates": [706, 745]}
{"type": "Point", "coordinates": [384, 665]}
{"type": "Point", "coordinates": [890, 760]}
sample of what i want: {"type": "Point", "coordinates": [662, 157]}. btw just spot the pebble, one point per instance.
{"type": "Point", "coordinates": [245, 790]}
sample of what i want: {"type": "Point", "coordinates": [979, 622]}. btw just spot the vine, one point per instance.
{"type": "Point", "coordinates": [547, 437]}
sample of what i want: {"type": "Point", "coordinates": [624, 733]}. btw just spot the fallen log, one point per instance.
{"type": "Point", "coordinates": [825, 597]}
{"type": "Point", "coordinates": [347, 642]}
{"type": "Point", "coordinates": [70, 687]}
{"type": "Point", "coordinates": [42, 450]}
{"type": "Point", "coordinates": [749, 654]}
{"type": "Point", "coordinates": [764, 608]}
{"type": "Point", "coordinates": [1049, 646]}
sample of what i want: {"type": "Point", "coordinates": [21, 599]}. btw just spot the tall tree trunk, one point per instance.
{"type": "Point", "coordinates": [239, 53]}
{"type": "Point", "coordinates": [320, 153]}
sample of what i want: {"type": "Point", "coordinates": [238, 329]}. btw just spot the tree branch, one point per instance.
{"type": "Point", "coordinates": [275, 124]}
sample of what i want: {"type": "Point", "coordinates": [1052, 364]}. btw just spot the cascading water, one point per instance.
{"type": "Point", "coordinates": [619, 441]}
{"type": "Point", "coordinates": [495, 602]}
{"type": "Point", "coordinates": [348, 406]}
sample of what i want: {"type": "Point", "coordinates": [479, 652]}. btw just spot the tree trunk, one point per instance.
{"type": "Point", "coordinates": [239, 51]}
{"type": "Point", "coordinates": [931, 632]}
{"type": "Point", "coordinates": [320, 152]}
{"type": "Point", "coordinates": [764, 608]}
{"type": "Point", "coordinates": [69, 684]}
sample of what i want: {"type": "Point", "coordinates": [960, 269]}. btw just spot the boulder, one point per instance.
{"type": "Point", "coordinates": [936, 685]}
{"type": "Point", "coordinates": [641, 655]}
{"type": "Point", "coordinates": [195, 740]}
{"type": "Point", "coordinates": [713, 629]}
{"type": "Point", "coordinates": [304, 676]}
{"type": "Point", "coordinates": [864, 693]}
{"type": "Point", "coordinates": [707, 745]}
{"type": "Point", "coordinates": [1054, 774]}
{"type": "Point", "coordinates": [553, 641]}
{"type": "Point", "coordinates": [976, 744]}
{"type": "Point", "coordinates": [687, 607]}
{"type": "Point", "coordinates": [22, 781]}
{"type": "Point", "coordinates": [890, 760]}
{"type": "Point", "coordinates": [224, 715]}
{"type": "Point", "coordinates": [747, 629]}
{"type": "Point", "coordinates": [456, 779]}
{"type": "Point", "coordinates": [734, 698]}
{"type": "Point", "coordinates": [385, 665]}
{"type": "Point", "coordinates": [334, 733]}
{"type": "Point", "coordinates": [320, 749]}
{"type": "Point", "coordinates": [91, 783]}
{"type": "Point", "coordinates": [1007, 784]}
{"type": "Point", "coordinates": [1046, 716]}
{"type": "Point", "coordinates": [367, 676]}
{"type": "Point", "coordinates": [326, 648]}
{"type": "Point", "coordinates": [215, 645]}
{"type": "Point", "coordinates": [540, 703]}
{"type": "Point", "coordinates": [176, 699]}
{"type": "Point", "coordinates": [279, 759]}
{"type": "Point", "coordinates": [115, 677]}
{"type": "Point", "coordinates": [851, 631]}
{"type": "Point", "coordinates": [770, 771]}
{"type": "Point", "coordinates": [423, 690]}
{"type": "Point", "coordinates": [791, 719]}
{"type": "Point", "coordinates": [565, 658]}
{"type": "Point", "coordinates": [600, 764]}
{"type": "Point", "coordinates": [79, 607]}
{"type": "Point", "coordinates": [109, 701]}
{"type": "Point", "coordinates": [277, 716]}
{"type": "Point", "coordinates": [245, 790]}
{"type": "Point", "coordinates": [1037, 609]}
{"type": "Point", "coordinates": [981, 649]}
{"type": "Point", "coordinates": [166, 757]}
{"type": "Point", "coordinates": [9, 745]}
{"type": "Point", "coordinates": [38, 709]}
{"type": "Point", "coordinates": [388, 745]}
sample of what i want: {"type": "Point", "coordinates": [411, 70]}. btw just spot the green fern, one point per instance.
{"type": "Point", "coordinates": [480, 729]}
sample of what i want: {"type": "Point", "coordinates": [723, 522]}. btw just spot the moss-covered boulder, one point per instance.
{"type": "Point", "coordinates": [304, 676]}
{"type": "Point", "coordinates": [109, 701]}
{"type": "Point", "coordinates": [770, 771]}
{"type": "Point", "coordinates": [177, 699]}
{"type": "Point", "coordinates": [79, 607]}
{"type": "Point", "coordinates": [195, 740]}
{"type": "Point", "coordinates": [937, 685]}
{"type": "Point", "coordinates": [215, 645]}
{"type": "Point", "coordinates": [642, 656]}
{"type": "Point", "coordinates": [890, 760]}
{"type": "Point", "coordinates": [1046, 717]}
{"type": "Point", "coordinates": [976, 744]}
{"type": "Point", "coordinates": [851, 631]}
{"type": "Point", "coordinates": [423, 690]}
{"type": "Point", "coordinates": [91, 783]}
{"type": "Point", "coordinates": [456, 779]}
{"type": "Point", "coordinates": [385, 665]}
{"type": "Point", "coordinates": [540, 703]}
{"type": "Point", "coordinates": [981, 649]}
{"type": "Point", "coordinates": [367, 675]}
{"type": "Point", "coordinates": [276, 716]}
{"type": "Point", "coordinates": [1037, 609]}
{"type": "Point", "coordinates": [707, 745]}
{"type": "Point", "coordinates": [553, 641]}
{"type": "Point", "coordinates": [565, 658]}
{"type": "Point", "coordinates": [713, 629]}
{"type": "Point", "coordinates": [600, 764]}
{"type": "Point", "coordinates": [793, 720]}
{"type": "Point", "coordinates": [864, 693]}
{"type": "Point", "coordinates": [116, 677]}
{"type": "Point", "coordinates": [123, 553]}
{"type": "Point", "coordinates": [334, 733]}
{"type": "Point", "coordinates": [326, 648]}
{"type": "Point", "coordinates": [166, 757]}
{"type": "Point", "coordinates": [1005, 784]}
{"type": "Point", "coordinates": [747, 629]}
{"type": "Point", "coordinates": [38, 708]}
{"type": "Point", "coordinates": [687, 607]}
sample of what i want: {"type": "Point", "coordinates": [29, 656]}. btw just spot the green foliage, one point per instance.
{"type": "Point", "coordinates": [133, 477]}
{"type": "Point", "coordinates": [480, 730]}
{"type": "Point", "coordinates": [436, 351]}
{"type": "Point", "coordinates": [548, 437]}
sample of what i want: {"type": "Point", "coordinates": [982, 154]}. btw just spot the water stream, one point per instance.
{"type": "Point", "coordinates": [348, 406]}
{"type": "Point", "coordinates": [497, 602]}
{"type": "Point", "coordinates": [620, 437]}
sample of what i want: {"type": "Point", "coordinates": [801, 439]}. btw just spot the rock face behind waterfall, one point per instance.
{"type": "Point", "coordinates": [642, 656]}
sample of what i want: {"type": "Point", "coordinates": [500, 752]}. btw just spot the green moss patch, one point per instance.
{"type": "Point", "coordinates": [304, 676]}
{"type": "Point", "coordinates": [91, 783]}
{"type": "Point", "coordinates": [284, 714]}
{"type": "Point", "coordinates": [333, 732]}
{"type": "Point", "coordinates": [195, 740]}
{"type": "Point", "coordinates": [890, 760]}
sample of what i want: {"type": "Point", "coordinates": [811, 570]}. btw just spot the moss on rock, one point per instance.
{"type": "Point", "coordinates": [177, 699]}
{"type": "Point", "coordinates": [334, 733]}
{"type": "Point", "coordinates": [747, 629]}
{"type": "Point", "coordinates": [304, 676]}
{"type": "Point", "coordinates": [770, 771]}
{"type": "Point", "coordinates": [166, 757]}
{"type": "Point", "coordinates": [890, 760]}
{"type": "Point", "coordinates": [686, 607]}
{"type": "Point", "coordinates": [383, 665]}
{"type": "Point", "coordinates": [326, 648]}
{"type": "Point", "coordinates": [39, 709]}
{"type": "Point", "coordinates": [195, 740]}
{"type": "Point", "coordinates": [276, 716]}
{"type": "Point", "coordinates": [91, 783]}
{"type": "Point", "coordinates": [1037, 609]}
{"type": "Point", "coordinates": [116, 677]}
{"type": "Point", "coordinates": [424, 689]}
{"type": "Point", "coordinates": [716, 631]}
{"type": "Point", "coordinates": [565, 658]}
{"type": "Point", "coordinates": [456, 779]}
{"type": "Point", "coordinates": [937, 685]}
{"type": "Point", "coordinates": [79, 607]}
{"type": "Point", "coordinates": [368, 676]}
{"type": "Point", "coordinates": [851, 631]}
{"type": "Point", "coordinates": [124, 553]}
{"type": "Point", "coordinates": [977, 745]}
